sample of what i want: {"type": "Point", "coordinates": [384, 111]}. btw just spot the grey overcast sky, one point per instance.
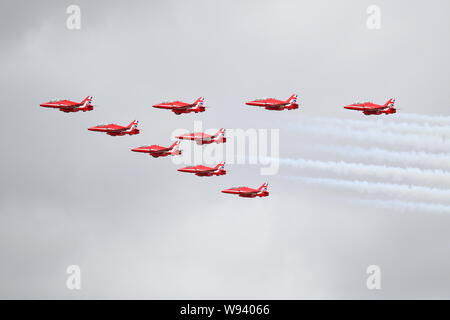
{"type": "Point", "coordinates": [139, 229]}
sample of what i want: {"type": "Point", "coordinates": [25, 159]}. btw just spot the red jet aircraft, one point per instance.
{"type": "Point", "coordinates": [369, 108]}
{"type": "Point", "coordinates": [249, 192]}
{"type": "Point", "coordinates": [157, 151]}
{"type": "Point", "coordinates": [179, 107]}
{"type": "Point", "coordinates": [116, 130]}
{"type": "Point", "coordinates": [70, 106]}
{"type": "Point", "coordinates": [274, 104]}
{"type": "Point", "coordinates": [204, 138]}
{"type": "Point", "coordinates": [203, 171]}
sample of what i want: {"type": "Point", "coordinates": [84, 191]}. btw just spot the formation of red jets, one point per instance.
{"type": "Point", "coordinates": [179, 107]}
{"type": "Point", "coordinates": [201, 138]}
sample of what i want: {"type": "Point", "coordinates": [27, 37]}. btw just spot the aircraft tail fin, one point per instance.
{"type": "Point", "coordinates": [220, 134]}
{"type": "Point", "coordinates": [220, 166]}
{"type": "Point", "coordinates": [199, 102]}
{"type": "Point", "coordinates": [263, 187]}
{"type": "Point", "coordinates": [133, 125]}
{"type": "Point", "coordinates": [390, 103]}
{"type": "Point", "coordinates": [292, 99]}
{"type": "Point", "coordinates": [86, 101]}
{"type": "Point", "coordinates": [175, 146]}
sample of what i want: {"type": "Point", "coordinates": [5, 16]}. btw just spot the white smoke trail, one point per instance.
{"type": "Point", "coordinates": [382, 125]}
{"type": "Point", "coordinates": [416, 141]}
{"type": "Point", "coordinates": [377, 137]}
{"type": "Point", "coordinates": [383, 156]}
{"type": "Point", "coordinates": [397, 191]}
{"type": "Point", "coordinates": [397, 174]}
{"type": "Point", "coordinates": [404, 206]}
{"type": "Point", "coordinates": [423, 118]}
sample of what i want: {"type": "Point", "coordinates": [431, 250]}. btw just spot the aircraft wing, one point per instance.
{"type": "Point", "coordinates": [183, 107]}
{"type": "Point", "coordinates": [275, 102]}
{"type": "Point", "coordinates": [69, 107]}
{"type": "Point", "coordinates": [117, 130]}
{"type": "Point", "coordinates": [367, 106]}
{"type": "Point", "coordinates": [160, 150]}
{"type": "Point", "coordinates": [248, 191]}
{"type": "Point", "coordinates": [203, 169]}
{"type": "Point", "coordinates": [275, 106]}
{"type": "Point", "coordinates": [65, 104]}
{"type": "Point", "coordinates": [377, 108]}
{"type": "Point", "coordinates": [114, 128]}
{"type": "Point", "coordinates": [242, 190]}
{"type": "Point", "coordinates": [195, 136]}
{"type": "Point", "coordinates": [62, 106]}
